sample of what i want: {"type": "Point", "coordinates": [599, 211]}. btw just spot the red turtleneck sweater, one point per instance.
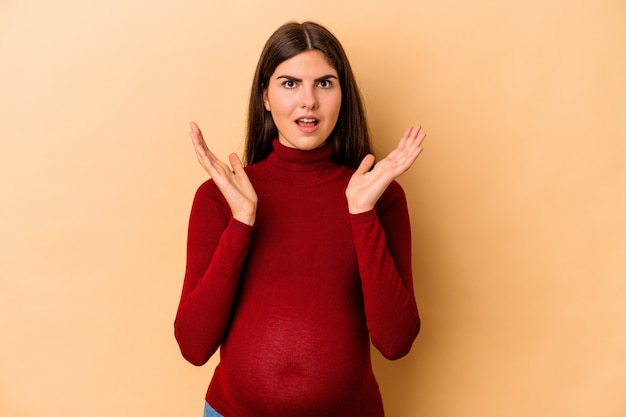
{"type": "Point", "coordinates": [293, 301]}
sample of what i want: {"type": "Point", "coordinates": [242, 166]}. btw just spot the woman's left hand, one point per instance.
{"type": "Point", "coordinates": [366, 186]}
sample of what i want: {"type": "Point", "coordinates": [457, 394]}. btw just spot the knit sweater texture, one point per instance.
{"type": "Point", "coordinates": [293, 301]}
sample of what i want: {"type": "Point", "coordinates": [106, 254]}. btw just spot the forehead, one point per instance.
{"type": "Point", "coordinates": [306, 64]}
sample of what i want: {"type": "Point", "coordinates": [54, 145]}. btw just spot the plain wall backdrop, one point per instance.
{"type": "Point", "coordinates": [518, 202]}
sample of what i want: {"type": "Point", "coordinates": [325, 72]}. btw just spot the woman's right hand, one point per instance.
{"type": "Point", "coordinates": [233, 183]}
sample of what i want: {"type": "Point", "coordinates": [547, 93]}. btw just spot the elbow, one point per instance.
{"type": "Point", "coordinates": [399, 347]}
{"type": "Point", "coordinates": [194, 359]}
{"type": "Point", "coordinates": [193, 356]}
{"type": "Point", "coordinates": [394, 352]}
{"type": "Point", "coordinates": [189, 350]}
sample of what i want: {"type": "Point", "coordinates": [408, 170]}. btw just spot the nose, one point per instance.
{"type": "Point", "coordinates": [308, 98]}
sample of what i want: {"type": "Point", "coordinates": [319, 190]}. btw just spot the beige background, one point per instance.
{"type": "Point", "coordinates": [517, 203]}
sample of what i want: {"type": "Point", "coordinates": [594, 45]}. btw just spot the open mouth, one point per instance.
{"type": "Point", "coordinates": [307, 122]}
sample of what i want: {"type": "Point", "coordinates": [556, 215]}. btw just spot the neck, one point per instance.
{"type": "Point", "coordinates": [296, 166]}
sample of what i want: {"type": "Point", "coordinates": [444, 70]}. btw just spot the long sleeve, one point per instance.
{"type": "Point", "coordinates": [382, 239]}
{"type": "Point", "coordinates": [216, 249]}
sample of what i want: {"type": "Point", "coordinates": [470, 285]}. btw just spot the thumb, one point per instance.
{"type": "Point", "coordinates": [235, 162]}
{"type": "Point", "coordinates": [366, 164]}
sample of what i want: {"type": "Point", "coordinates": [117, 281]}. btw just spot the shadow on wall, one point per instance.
{"type": "Point", "coordinates": [398, 382]}
{"type": "Point", "coordinates": [402, 381]}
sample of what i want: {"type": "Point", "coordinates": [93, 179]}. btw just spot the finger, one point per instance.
{"type": "Point", "coordinates": [411, 131]}
{"type": "Point", "coordinates": [197, 143]}
{"type": "Point", "coordinates": [415, 137]}
{"type": "Point", "coordinates": [366, 164]}
{"type": "Point", "coordinates": [405, 147]}
{"type": "Point", "coordinates": [235, 162]}
{"type": "Point", "coordinates": [196, 134]}
{"type": "Point", "coordinates": [195, 131]}
{"type": "Point", "coordinates": [206, 158]}
{"type": "Point", "coordinates": [413, 150]}
{"type": "Point", "coordinates": [405, 137]}
{"type": "Point", "coordinates": [414, 134]}
{"type": "Point", "coordinates": [202, 154]}
{"type": "Point", "coordinates": [419, 136]}
{"type": "Point", "coordinates": [418, 144]}
{"type": "Point", "coordinates": [408, 139]}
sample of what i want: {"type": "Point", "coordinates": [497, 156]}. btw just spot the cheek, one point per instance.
{"type": "Point", "coordinates": [337, 107]}
{"type": "Point", "coordinates": [335, 101]}
{"type": "Point", "coordinates": [279, 104]}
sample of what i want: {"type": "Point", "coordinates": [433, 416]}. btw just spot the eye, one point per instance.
{"type": "Point", "coordinates": [325, 83]}
{"type": "Point", "coordinates": [289, 84]}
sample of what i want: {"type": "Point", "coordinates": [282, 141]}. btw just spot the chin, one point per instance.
{"type": "Point", "coordinates": [304, 144]}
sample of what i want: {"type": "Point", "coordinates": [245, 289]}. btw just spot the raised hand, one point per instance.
{"type": "Point", "coordinates": [366, 186]}
{"type": "Point", "coordinates": [233, 183]}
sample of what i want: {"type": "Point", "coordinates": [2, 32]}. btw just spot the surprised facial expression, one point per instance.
{"type": "Point", "coordinates": [304, 97]}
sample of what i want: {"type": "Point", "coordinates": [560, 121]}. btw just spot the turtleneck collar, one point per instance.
{"type": "Point", "coordinates": [296, 166]}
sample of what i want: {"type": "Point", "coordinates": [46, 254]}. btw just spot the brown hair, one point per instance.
{"type": "Point", "coordinates": [350, 137]}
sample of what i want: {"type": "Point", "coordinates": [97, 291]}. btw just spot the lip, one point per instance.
{"type": "Point", "coordinates": [311, 124]}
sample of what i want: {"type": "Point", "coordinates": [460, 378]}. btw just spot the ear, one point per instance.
{"type": "Point", "coordinates": [266, 102]}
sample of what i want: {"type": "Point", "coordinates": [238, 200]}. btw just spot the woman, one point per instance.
{"type": "Point", "coordinates": [297, 259]}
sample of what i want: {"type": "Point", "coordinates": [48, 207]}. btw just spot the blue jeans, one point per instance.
{"type": "Point", "coordinates": [209, 411]}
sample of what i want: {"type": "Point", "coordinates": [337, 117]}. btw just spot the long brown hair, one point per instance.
{"type": "Point", "coordinates": [350, 137]}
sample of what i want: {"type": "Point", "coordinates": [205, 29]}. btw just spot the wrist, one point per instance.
{"type": "Point", "coordinates": [245, 219]}
{"type": "Point", "coordinates": [354, 209]}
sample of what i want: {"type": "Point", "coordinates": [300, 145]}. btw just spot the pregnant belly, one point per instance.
{"type": "Point", "coordinates": [274, 364]}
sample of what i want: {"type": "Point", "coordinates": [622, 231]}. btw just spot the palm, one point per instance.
{"type": "Point", "coordinates": [367, 185]}
{"type": "Point", "coordinates": [233, 183]}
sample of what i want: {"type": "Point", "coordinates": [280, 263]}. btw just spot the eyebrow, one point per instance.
{"type": "Point", "coordinates": [322, 78]}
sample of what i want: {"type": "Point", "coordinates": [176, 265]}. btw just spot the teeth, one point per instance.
{"type": "Point", "coordinates": [307, 120]}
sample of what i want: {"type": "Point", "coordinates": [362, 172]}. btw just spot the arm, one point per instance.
{"type": "Point", "coordinates": [220, 226]}
{"type": "Point", "coordinates": [382, 239]}
{"type": "Point", "coordinates": [216, 248]}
